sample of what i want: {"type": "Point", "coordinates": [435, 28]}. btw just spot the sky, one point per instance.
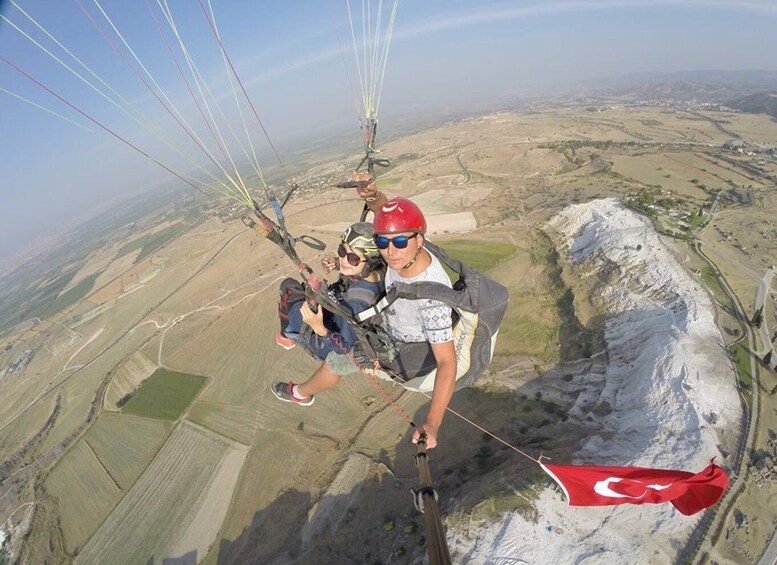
{"type": "Point", "coordinates": [295, 60]}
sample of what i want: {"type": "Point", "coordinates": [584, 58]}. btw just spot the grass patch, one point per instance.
{"type": "Point", "coordinates": [741, 356]}
{"type": "Point", "coordinates": [711, 279]}
{"type": "Point", "coordinates": [75, 294]}
{"type": "Point", "coordinates": [388, 181]}
{"type": "Point", "coordinates": [164, 395]}
{"type": "Point", "coordinates": [151, 242]}
{"type": "Point", "coordinates": [532, 335]}
{"type": "Point", "coordinates": [481, 255]}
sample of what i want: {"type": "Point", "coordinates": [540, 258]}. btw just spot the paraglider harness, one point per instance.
{"type": "Point", "coordinates": [479, 304]}
{"type": "Point", "coordinates": [374, 342]}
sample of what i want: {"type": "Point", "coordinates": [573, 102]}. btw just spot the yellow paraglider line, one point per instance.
{"type": "Point", "coordinates": [52, 112]}
{"type": "Point", "coordinates": [178, 117]}
{"type": "Point", "coordinates": [143, 123]}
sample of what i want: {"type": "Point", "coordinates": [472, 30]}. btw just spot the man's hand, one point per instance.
{"type": "Point", "coordinates": [430, 431]}
{"type": "Point", "coordinates": [314, 319]}
{"type": "Point", "coordinates": [368, 192]}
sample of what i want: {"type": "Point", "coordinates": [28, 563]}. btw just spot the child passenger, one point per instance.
{"type": "Point", "coordinates": [327, 336]}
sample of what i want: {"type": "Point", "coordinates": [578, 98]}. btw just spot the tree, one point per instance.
{"type": "Point", "coordinates": [758, 317]}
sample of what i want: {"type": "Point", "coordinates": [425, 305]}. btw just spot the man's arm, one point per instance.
{"type": "Point", "coordinates": [369, 193]}
{"type": "Point", "coordinates": [444, 384]}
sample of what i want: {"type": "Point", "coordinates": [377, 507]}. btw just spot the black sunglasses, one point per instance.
{"type": "Point", "coordinates": [353, 259]}
{"type": "Point", "coordinates": [400, 242]}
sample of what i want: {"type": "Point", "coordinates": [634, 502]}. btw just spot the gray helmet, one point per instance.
{"type": "Point", "coordinates": [359, 237]}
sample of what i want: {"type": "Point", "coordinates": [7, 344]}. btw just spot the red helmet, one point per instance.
{"type": "Point", "coordinates": [399, 215]}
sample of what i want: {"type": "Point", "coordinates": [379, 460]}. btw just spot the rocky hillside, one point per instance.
{"type": "Point", "coordinates": [666, 399]}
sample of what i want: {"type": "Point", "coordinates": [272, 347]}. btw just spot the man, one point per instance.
{"type": "Point", "coordinates": [400, 231]}
{"type": "Point", "coordinates": [414, 325]}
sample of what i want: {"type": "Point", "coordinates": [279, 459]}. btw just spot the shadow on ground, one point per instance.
{"type": "Point", "coordinates": [478, 479]}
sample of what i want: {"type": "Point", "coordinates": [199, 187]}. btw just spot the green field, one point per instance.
{"type": "Point", "coordinates": [164, 395]}
{"type": "Point", "coordinates": [528, 331]}
{"type": "Point", "coordinates": [711, 278]}
{"type": "Point", "coordinates": [126, 444]}
{"type": "Point", "coordinates": [47, 301]}
{"type": "Point", "coordinates": [478, 254]}
{"type": "Point", "coordinates": [73, 295]}
{"type": "Point", "coordinates": [388, 181]}
{"type": "Point", "coordinates": [151, 242]}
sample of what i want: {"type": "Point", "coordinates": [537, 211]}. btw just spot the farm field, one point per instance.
{"type": "Point", "coordinates": [164, 395]}
{"type": "Point", "coordinates": [162, 504]}
{"type": "Point", "coordinates": [478, 254]}
{"type": "Point", "coordinates": [26, 426]}
{"type": "Point", "coordinates": [214, 469]}
{"type": "Point", "coordinates": [125, 445]}
{"type": "Point", "coordinates": [132, 372]}
{"type": "Point", "coordinates": [86, 493]}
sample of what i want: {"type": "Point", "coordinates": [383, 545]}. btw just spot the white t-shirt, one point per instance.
{"type": "Point", "coordinates": [413, 321]}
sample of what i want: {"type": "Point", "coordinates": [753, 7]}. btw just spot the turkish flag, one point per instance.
{"type": "Point", "coordinates": [603, 486]}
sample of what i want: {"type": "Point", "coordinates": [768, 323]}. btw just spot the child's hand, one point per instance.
{"type": "Point", "coordinates": [330, 263]}
{"type": "Point", "coordinates": [314, 319]}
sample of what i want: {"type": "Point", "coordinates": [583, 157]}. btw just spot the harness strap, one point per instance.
{"type": "Point", "coordinates": [379, 307]}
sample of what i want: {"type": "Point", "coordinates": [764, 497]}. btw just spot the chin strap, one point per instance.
{"type": "Point", "coordinates": [413, 260]}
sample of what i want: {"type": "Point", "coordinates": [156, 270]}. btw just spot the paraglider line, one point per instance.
{"type": "Point", "coordinates": [107, 129]}
{"type": "Point", "coordinates": [138, 75]}
{"type": "Point", "coordinates": [183, 77]}
{"type": "Point", "coordinates": [237, 77]}
{"type": "Point", "coordinates": [52, 112]}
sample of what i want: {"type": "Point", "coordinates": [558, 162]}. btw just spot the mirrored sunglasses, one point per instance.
{"type": "Point", "coordinates": [353, 259]}
{"type": "Point", "coordinates": [400, 241]}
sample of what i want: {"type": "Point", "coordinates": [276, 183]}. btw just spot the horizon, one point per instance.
{"type": "Point", "coordinates": [442, 61]}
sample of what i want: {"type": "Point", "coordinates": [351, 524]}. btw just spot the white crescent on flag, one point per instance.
{"type": "Point", "coordinates": [603, 488]}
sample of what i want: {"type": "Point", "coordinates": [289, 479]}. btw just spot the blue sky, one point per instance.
{"type": "Point", "coordinates": [444, 54]}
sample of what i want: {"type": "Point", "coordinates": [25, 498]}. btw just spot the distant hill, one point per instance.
{"type": "Point", "coordinates": [761, 103]}
{"type": "Point", "coordinates": [718, 87]}
{"type": "Point", "coordinates": [710, 86]}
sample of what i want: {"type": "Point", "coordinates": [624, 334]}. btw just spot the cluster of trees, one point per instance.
{"type": "Point", "coordinates": [124, 399]}
{"type": "Point", "coordinates": [756, 321]}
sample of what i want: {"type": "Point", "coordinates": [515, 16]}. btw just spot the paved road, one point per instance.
{"type": "Point", "coordinates": [701, 548]}
{"type": "Point", "coordinates": [770, 555]}
{"type": "Point", "coordinates": [764, 289]}
{"type": "Point", "coordinates": [467, 175]}
{"type": "Point", "coordinates": [700, 544]}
